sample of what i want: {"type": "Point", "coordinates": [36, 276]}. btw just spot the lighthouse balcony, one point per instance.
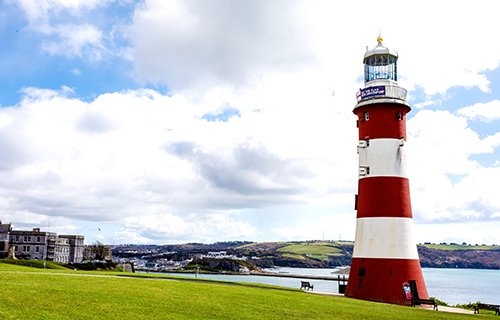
{"type": "Point", "coordinates": [381, 90]}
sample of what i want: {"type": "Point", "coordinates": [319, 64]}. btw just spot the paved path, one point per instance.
{"type": "Point", "coordinates": [440, 308]}
{"type": "Point", "coordinates": [325, 293]}
{"type": "Point", "coordinates": [455, 310]}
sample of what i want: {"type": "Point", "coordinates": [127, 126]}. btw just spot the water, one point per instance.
{"type": "Point", "coordinates": [453, 286]}
{"type": "Point", "coordinates": [463, 285]}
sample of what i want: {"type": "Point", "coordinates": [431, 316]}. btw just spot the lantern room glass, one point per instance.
{"type": "Point", "coordinates": [381, 67]}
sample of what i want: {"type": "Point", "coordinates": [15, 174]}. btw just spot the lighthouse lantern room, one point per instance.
{"type": "Point", "coordinates": [385, 264]}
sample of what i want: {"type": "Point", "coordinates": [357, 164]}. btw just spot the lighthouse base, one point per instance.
{"type": "Point", "coordinates": [385, 280]}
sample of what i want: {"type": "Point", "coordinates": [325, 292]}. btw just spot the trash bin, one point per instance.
{"type": "Point", "coordinates": [342, 288]}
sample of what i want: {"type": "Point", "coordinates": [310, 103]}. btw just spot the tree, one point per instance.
{"type": "Point", "coordinates": [99, 251]}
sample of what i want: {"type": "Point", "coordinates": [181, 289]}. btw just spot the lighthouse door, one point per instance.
{"type": "Point", "coordinates": [414, 290]}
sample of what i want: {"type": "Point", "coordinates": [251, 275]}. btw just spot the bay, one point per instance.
{"type": "Point", "coordinates": [454, 286]}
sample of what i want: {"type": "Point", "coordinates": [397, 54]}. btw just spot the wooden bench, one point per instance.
{"type": "Point", "coordinates": [485, 306]}
{"type": "Point", "coordinates": [306, 285]}
{"type": "Point", "coordinates": [415, 302]}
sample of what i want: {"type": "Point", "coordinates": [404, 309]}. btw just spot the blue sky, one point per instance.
{"type": "Point", "coordinates": [25, 63]}
{"type": "Point", "coordinates": [179, 121]}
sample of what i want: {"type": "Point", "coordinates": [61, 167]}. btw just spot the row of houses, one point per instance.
{"type": "Point", "coordinates": [40, 245]}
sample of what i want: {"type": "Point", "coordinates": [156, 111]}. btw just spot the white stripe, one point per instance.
{"type": "Point", "coordinates": [383, 157]}
{"type": "Point", "coordinates": [390, 238]}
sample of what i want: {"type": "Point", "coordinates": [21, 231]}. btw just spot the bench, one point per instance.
{"type": "Point", "coordinates": [415, 302]}
{"type": "Point", "coordinates": [485, 306]}
{"type": "Point", "coordinates": [306, 285]}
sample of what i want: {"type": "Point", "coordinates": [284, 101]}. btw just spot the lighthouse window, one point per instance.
{"type": "Point", "coordinates": [364, 171]}
{"type": "Point", "coordinates": [364, 143]}
{"type": "Point", "coordinates": [361, 272]}
{"type": "Point", "coordinates": [366, 116]}
{"type": "Point", "coordinates": [380, 67]}
{"type": "Point", "coordinates": [400, 115]}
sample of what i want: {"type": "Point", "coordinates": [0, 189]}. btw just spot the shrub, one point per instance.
{"type": "Point", "coordinates": [439, 302]}
{"type": "Point", "coordinates": [96, 265]}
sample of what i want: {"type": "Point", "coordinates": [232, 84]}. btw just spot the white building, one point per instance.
{"type": "Point", "coordinates": [41, 245]}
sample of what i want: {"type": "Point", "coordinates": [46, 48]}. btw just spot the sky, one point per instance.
{"type": "Point", "coordinates": [162, 121]}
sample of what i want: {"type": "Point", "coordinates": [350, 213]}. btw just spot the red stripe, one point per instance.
{"type": "Point", "coordinates": [383, 121]}
{"type": "Point", "coordinates": [384, 197]}
{"type": "Point", "coordinates": [382, 279]}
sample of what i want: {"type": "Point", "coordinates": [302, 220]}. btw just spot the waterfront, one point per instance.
{"type": "Point", "coordinates": [450, 285]}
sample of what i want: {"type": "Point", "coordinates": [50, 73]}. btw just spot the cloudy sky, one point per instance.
{"type": "Point", "coordinates": [162, 121]}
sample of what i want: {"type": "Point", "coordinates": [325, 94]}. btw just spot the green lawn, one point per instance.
{"type": "Point", "coordinates": [36, 294]}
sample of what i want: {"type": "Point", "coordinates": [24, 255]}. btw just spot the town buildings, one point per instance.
{"type": "Point", "coordinates": [40, 245]}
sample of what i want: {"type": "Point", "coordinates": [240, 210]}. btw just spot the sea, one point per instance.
{"type": "Point", "coordinates": [453, 286]}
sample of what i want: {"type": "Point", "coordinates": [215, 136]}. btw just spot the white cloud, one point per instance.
{"type": "Point", "coordinates": [338, 226]}
{"type": "Point", "coordinates": [152, 164]}
{"type": "Point", "coordinates": [197, 227]}
{"type": "Point", "coordinates": [64, 27]}
{"type": "Point", "coordinates": [186, 43]}
{"type": "Point", "coordinates": [76, 40]}
{"type": "Point", "coordinates": [39, 12]}
{"type": "Point", "coordinates": [486, 112]}
{"type": "Point", "coordinates": [447, 183]}
{"type": "Point", "coordinates": [445, 140]}
{"type": "Point", "coordinates": [473, 232]}
{"type": "Point", "coordinates": [152, 161]}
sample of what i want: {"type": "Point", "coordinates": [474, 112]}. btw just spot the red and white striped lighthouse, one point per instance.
{"type": "Point", "coordinates": [385, 265]}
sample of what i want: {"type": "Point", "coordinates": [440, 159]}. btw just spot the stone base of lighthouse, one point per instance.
{"type": "Point", "coordinates": [382, 280]}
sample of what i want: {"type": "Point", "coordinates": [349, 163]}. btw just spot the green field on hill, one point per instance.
{"type": "Point", "coordinates": [460, 247]}
{"type": "Point", "coordinates": [316, 250]}
{"type": "Point", "coordinates": [29, 293]}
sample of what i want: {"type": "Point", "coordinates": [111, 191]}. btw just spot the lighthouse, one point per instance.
{"type": "Point", "coordinates": [385, 264]}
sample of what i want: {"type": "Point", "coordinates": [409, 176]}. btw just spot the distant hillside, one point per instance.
{"type": "Point", "coordinates": [316, 254]}
{"type": "Point", "coordinates": [460, 258]}
{"type": "Point", "coordinates": [323, 254]}
{"type": "Point", "coordinates": [309, 254]}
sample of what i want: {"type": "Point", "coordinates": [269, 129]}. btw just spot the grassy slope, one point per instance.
{"type": "Point", "coordinates": [33, 294]}
{"type": "Point", "coordinates": [313, 250]}
{"type": "Point", "coordinates": [34, 263]}
{"type": "Point", "coordinates": [294, 256]}
{"type": "Point", "coordinates": [459, 247]}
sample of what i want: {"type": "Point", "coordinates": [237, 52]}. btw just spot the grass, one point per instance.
{"type": "Point", "coordinates": [313, 250]}
{"type": "Point", "coordinates": [294, 256]}
{"type": "Point", "coordinates": [459, 247]}
{"type": "Point", "coordinates": [248, 245]}
{"type": "Point", "coordinates": [30, 293]}
{"type": "Point", "coordinates": [34, 264]}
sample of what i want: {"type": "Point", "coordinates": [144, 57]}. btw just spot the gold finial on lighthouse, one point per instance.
{"type": "Point", "coordinates": [379, 39]}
